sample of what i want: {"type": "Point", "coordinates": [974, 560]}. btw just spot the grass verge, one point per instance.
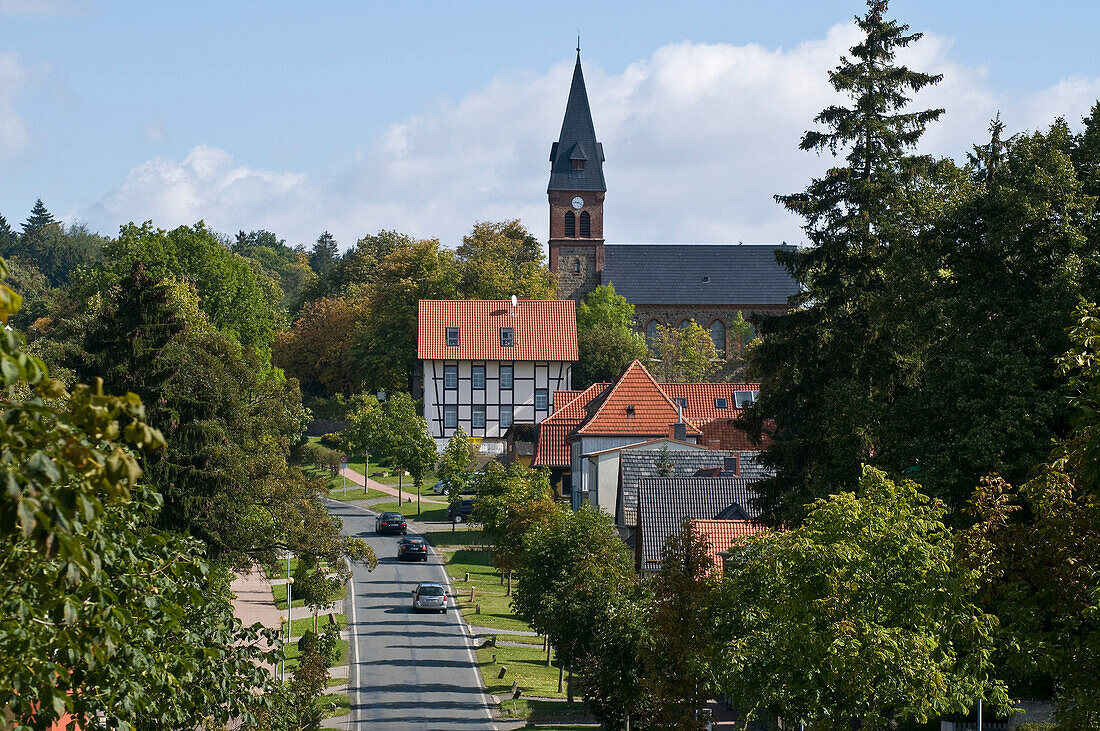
{"type": "Point", "coordinates": [333, 704]}
{"type": "Point", "coordinates": [526, 666]}
{"type": "Point", "coordinates": [293, 653]}
{"type": "Point", "coordinates": [429, 512]}
{"type": "Point", "coordinates": [278, 591]}
{"type": "Point", "coordinates": [463, 535]}
{"type": "Point", "coordinates": [298, 627]}
{"type": "Point", "coordinates": [355, 493]}
{"type": "Point", "coordinates": [536, 711]}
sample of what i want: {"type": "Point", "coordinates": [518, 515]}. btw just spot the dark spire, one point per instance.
{"type": "Point", "coordinates": [577, 142]}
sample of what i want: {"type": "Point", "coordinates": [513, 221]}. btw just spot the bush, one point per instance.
{"type": "Point", "coordinates": [333, 441]}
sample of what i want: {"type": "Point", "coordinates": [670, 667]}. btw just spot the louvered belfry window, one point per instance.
{"type": "Point", "coordinates": [586, 225]}
{"type": "Point", "coordinates": [570, 224]}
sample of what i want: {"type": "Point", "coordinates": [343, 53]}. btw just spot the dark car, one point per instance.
{"type": "Point", "coordinates": [460, 512]}
{"type": "Point", "coordinates": [391, 523]}
{"type": "Point", "coordinates": [415, 549]}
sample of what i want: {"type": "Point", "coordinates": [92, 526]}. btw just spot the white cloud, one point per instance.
{"type": "Point", "coordinates": [698, 138]}
{"type": "Point", "coordinates": [13, 128]}
{"type": "Point", "coordinates": [206, 185]}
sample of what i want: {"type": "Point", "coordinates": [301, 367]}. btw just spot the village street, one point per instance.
{"type": "Point", "coordinates": [407, 670]}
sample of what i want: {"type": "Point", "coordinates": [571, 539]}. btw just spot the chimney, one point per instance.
{"type": "Point", "coordinates": [731, 466]}
{"type": "Point", "coordinates": [679, 431]}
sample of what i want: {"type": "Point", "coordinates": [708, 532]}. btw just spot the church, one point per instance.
{"type": "Point", "coordinates": [668, 284]}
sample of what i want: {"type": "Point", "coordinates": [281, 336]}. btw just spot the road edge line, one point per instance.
{"type": "Point", "coordinates": [353, 624]}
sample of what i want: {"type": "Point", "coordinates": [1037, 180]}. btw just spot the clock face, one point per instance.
{"type": "Point", "coordinates": [578, 203]}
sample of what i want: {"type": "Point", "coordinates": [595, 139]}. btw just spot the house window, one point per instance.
{"type": "Point", "coordinates": [681, 401]}
{"type": "Point", "coordinates": [505, 416]}
{"type": "Point", "coordinates": [478, 420]}
{"type": "Point", "coordinates": [721, 403]}
{"type": "Point", "coordinates": [450, 377]}
{"type": "Point", "coordinates": [576, 266]}
{"type": "Point", "coordinates": [586, 225]}
{"type": "Point", "coordinates": [542, 399]}
{"type": "Point", "coordinates": [577, 164]}
{"type": "Point", "coordinates": [570, 224]}
{"type": "Point", "coordinates": [506, 377]}
{"type": "Point", "coordinates": [450, 416]}
{"type": "Point", "coordinates": [651, 333]}
{"type": "Point", "coordinates": [507, 337]}
{"type": "Point", "coordinates": [477, 377]}
{"type": "Point", "coordinates": [718, 335]}
{"type": "Point", "coordinates": [452, 337]}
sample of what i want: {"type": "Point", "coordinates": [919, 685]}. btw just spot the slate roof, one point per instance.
{"type": "Point", "coordinates": [634, 404]}
{"type": "Point", "coordinates": [543, 330]}
{"type": "Point", "coordinates": [664, 503]}
{"type": "Point", "coordinates": [721, 534]}
{"type": "Point", "coordinates": [638, 464]}
{"type": "Point", "coordinates": [673, 274]}
{"type": "Point", "coordinates": [577, 141]}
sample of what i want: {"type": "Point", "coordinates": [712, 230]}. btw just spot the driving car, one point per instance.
{"type": "Point", "coordinates": [391, 523]}
{"type": "Point", "coordinates": [414, 548]}
{"type": "Point", "coordinates": [428, 596]}
{"type": "Point", "coordinates": [460, 512]}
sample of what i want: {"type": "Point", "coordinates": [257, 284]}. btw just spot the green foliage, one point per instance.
{"type": "Point", "coordinates": [456, 464]}
{"type": "Point", "coordinates": [606, 337]}
{"type": "Point", "coordinates": [510, 501]}
{"type": "Point", "coordinates": [277, 261]}
{"type": "Point", "coordinates": [99, 614]}
{"type": "Point", "coordinates": [684, 354]}
{"type": "Point", "coordinates": [369, 429]}
{"type": "Point", "coordinates": [324, 254]}
{"type": "Point", "coordinates": [829, 365]}
{"type": "Point", "coordinates": [317, 348]}
{"type": "Point", "coordinates": [238, 301]}
{"type": "Point", "coordinates": [862, 612]}
{"type": "Point", "coordinates": [59, 252]}
{"type": "Point", "coordinates": [39, 219]}
{"type": "Point", "coordinates": [498, 260]}
{"type": "Point", "coordinates": [293, 706]}
{"type": "Point", "coordinates": [411, 444]}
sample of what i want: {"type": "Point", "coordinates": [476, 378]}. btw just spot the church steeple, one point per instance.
{"type": "Point", "coordinates": [576, 159]}
{"type": "Point", "coordinates": [576, 194]}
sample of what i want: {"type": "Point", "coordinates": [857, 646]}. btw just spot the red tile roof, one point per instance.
{"type": "Point", "coordinates": [700, 398]}
{"type": "Point", "coordinates": [574, 409]}
{"type": "Point", "coordinates": [543, 330]}
{"type": "Point", "coordinates": [634, 404]}
{"type": "Point", "coordinates": [721, 534]}
{"type": "Point", "coordinates": [551, 449]}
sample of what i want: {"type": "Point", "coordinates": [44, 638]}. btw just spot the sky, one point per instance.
{"type": "Point", "coordinates": [425, 117]}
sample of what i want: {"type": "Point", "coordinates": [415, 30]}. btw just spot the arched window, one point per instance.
{"type": "Point", "coordinates": [576, 266]}
{"type": "Point", "coordinates": [586, 225]}
{"type": "Point", "coordinates": [570, 224]}
{"type": "Point", "coordinates": [718, 335]}
{"type": "Point", "coordinates": [685, 324]}
{"type": "Point", "coordinates": [651, 333]}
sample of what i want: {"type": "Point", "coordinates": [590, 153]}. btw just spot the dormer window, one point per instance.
{"type": "Point", "coordinates": [578, 164]}
{"type": "Point", "coordinates": [452, 337]}
{"type": "Point", "coordinates": [721, 403]}
{"type": "Point", "coordinates": [507, 337]}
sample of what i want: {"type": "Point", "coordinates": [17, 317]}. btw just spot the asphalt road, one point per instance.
{"type": "Point", "coordinates": [407, 670]}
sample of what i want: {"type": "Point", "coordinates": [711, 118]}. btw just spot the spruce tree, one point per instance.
{"type": "Point", "coordinates": [829, 363]}
{"type": "Point", "coordinates": [324, 254]}
{"type": "Point", "coordinates": [39, 218]}
{"type": "Point", "coordinates": [8, 238]}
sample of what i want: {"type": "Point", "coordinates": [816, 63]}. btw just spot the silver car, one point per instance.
{"type": "Point", "coordinates": [429, 596]}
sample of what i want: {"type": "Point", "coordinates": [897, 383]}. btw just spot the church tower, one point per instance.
{"type": "Point", "coordinates": [576, 193]}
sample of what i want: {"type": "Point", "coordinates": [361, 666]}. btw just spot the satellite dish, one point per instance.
{"type": "Point", "coordinates": [514, 300]}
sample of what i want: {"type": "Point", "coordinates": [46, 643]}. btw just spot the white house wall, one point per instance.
{"type": "Point", "coordinates": [528, 376]}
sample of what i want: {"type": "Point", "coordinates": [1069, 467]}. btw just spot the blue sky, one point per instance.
{"type": "Point", "coordinates": [427, 116]}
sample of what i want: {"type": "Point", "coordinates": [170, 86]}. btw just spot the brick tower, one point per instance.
{"type": "Point", "coordinates": [576, 194]}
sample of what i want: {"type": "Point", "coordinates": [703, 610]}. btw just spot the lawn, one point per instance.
{"type": "Point", "coordinates": [496, 610]}
{"type": "Point", "coordinates": [333, 704]}
{"type": "Point", "coordinates": [536, 711]}
{"type": "Point", "coordinates": [356, 464]}
{"type": "Point", "coordinates": [463, 535]}
{"type": "Point", "coordinates": [298, 627]}
{"type": "Point", "coordinates": [526, 666]}
{"type": "Point", "coordinates": [293, 653]}
{"type": "Point", "coordinates": [279, 592]}
{"type": "Point", "coordinates": [429, 512]}
{"type": "Point", "coordinates": [358, 493]}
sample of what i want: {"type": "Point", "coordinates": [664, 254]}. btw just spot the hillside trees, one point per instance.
{"type": "Point", "coordinates": [498, 260]}
{"type": "Point", "coordinates": [828, 365]}
{"type": "Point", "coordinates": [317, 348]}
{"type": "Point", "coordinates": [285, 266]}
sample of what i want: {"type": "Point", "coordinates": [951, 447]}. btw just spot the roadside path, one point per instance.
{"type": "Point", "coordinates": [253, 602]}
{"type": "Point", "coordinates": [363, 481]}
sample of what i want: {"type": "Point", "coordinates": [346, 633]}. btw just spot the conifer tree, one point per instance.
{"type": "Point", "coordinates": [7, 238]}
{"type": "Point", "coordinates": [324, 254]}
{"type": "Point", "coordinates": [828, 363]}
{"type": "Point", "coordinates": [39, 218]}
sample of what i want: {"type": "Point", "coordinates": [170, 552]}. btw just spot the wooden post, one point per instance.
{"type": "Point", "coordinates": [477, 608]}
{"type": "Point", "coordinates": [467, 579]}
{"type": "Point", "coordinates": [503, 670]}
{"type": "Point", "coordinates": [473, 593]}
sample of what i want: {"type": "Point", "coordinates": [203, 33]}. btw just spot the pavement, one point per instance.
{"type": "Point", "coordinates": [362, 481]}
{"type": "Point", "coordinates": [408, 671]}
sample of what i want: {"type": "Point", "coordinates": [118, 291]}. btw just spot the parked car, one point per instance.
{"type": "Point", "coordinates": [440, 487]}
{"type": "Point", "coordinates": [460, 512]}
{"type": "Point", "coordinates": [414, 548]}
{"type": "Point", "coordinates": [391, 523]}
{"type": "Point", "coordinates": [428, 595]}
